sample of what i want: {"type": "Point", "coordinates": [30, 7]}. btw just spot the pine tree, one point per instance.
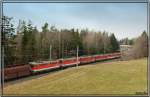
{"type": "Point", "coordinates": [44, 42]}
{"type": "Point", "coordinates": [7, 41]}
{"type": "Point", "coordinates": [114, 43]}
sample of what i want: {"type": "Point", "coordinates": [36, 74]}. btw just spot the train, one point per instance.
{"type": "Point", "coordinates": [32, 68]}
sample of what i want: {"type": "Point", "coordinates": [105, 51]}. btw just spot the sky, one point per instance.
{"type": "Point", "coordinates": [122, 19]}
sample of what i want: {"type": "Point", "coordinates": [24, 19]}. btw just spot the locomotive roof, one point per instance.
{"type": "Point", "coordinates": [41, 62]}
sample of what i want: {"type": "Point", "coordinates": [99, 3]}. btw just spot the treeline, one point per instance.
{"type": "Point", "coordinates": [127, 41]}
{"type": "Point", "coordinates": [139, 46]}
{"type": "Point", "coordinates": [29, 44]}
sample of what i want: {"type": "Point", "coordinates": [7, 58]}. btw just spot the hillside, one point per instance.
{"type": "Point", "coordinates": [121, 77]}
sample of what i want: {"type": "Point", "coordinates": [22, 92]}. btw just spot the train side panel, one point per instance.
{"type": "Point", "coordinates": [38, 67]}
{"type": "Point", "coordinates": [70, 62]}
{"type": "Point", "coordinates": [16, 72]}
{"type": "Point", "coordinates": [88, 59]}
{"type": "Point", "coordinates": [107, 56]}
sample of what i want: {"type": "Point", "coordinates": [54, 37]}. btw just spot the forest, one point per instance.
{"type": "Point", "coordinates": [26, 43]}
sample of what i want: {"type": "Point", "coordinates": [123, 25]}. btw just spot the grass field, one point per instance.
{"type": "Point", "coordinates": [112, 78]}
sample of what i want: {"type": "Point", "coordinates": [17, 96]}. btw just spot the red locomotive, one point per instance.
{"type": "Point", "coordinates": [44, 65]}
{"type": "Point", "coordinates": [34, 67]}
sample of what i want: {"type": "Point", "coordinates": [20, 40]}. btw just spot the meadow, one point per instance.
{"type": "Point", "coordinates": [110, 78]}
